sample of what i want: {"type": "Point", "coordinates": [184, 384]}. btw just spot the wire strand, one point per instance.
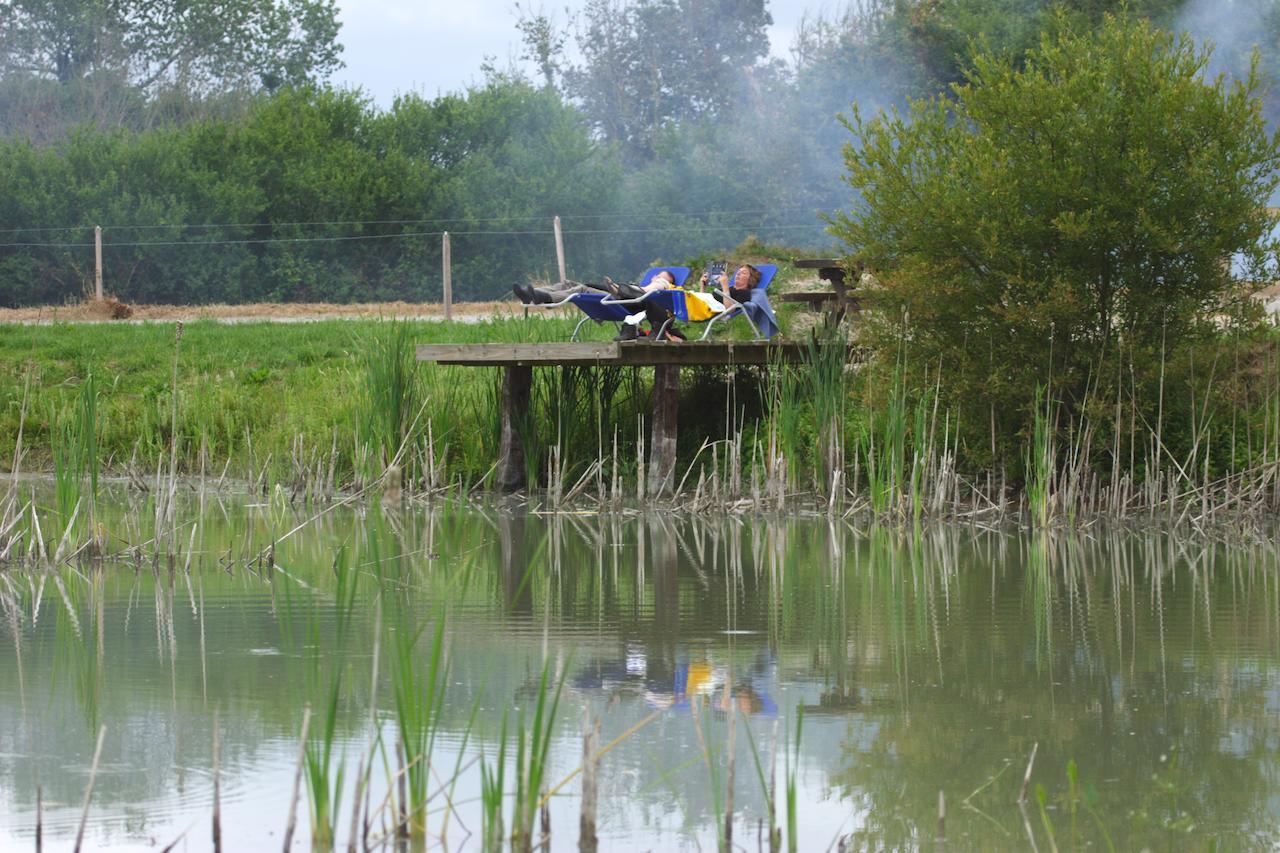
{"type": "Point", "coordinates": [437, 221]}
{"type": "Point", "coordinates": [763, 226]}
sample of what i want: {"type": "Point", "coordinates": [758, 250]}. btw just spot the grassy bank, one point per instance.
{"type": "Point", "coordinates": [321, 407]}
{"type": "Point", "coordinates": [317, 406]}
{"type": "Point", "coordinates": [252, 399]}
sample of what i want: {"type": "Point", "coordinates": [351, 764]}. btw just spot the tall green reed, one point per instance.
{"type": "Point", "coordinates": [791, 752]}
{"type": "Point", "coordinates": [392, 398]}
{"type": "Point", "coordinates": [492, 792]}
{"type": "Point", "coordinates": [533, 746]}
{"type": "Point", "coordinates": [1041, 460]}
{"type": "Point", "coordinates": [419, 702]}
{"type": "Point", "coordinates": [324, 645]}
{"type": "Point", "coordinates": [75, 455]}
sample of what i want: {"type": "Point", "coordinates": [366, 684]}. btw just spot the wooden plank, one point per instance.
{"type": "Point", "coordinates": [633, 354]}
{"type": "Point", "coordinates": [533, 354]}
{"type": "Point", "coordinates": [709, 353]}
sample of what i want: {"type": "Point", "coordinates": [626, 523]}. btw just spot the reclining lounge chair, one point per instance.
{"type": "Point", "coordinates": [756, 309]}
{"type": "Point", "coordinates": [603, 309]}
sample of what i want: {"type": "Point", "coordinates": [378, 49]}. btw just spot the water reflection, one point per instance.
{"type": "Point", "coordinates": [923, 661]}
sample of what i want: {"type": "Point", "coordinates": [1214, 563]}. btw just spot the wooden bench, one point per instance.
{"type": "Point", "coordinates": [835, 302]}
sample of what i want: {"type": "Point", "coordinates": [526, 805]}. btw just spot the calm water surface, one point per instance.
{"type": "Point", "coordinates": [923, 662]}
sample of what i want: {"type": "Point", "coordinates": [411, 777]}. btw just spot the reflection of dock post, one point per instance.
{"type": "Point", "coordinates": [662, 444]}
{"type": "Point", "coordinates": [517, 591]}
{"type": "Point", "coordinates": [517, 379]}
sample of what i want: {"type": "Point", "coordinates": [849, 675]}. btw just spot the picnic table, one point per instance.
{"type": "Point", "coordinates": [836, 301]}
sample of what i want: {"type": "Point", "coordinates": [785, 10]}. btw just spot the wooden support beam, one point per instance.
{"type": "Point", "coordinates": [662, 441]}
{"type": "Point", "coordinates": [517, 380]}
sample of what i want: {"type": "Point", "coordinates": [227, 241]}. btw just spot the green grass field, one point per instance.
{"type": "Point", "coordinates": [277, 397]}
{"type": "Point", "coordinates": [245, 391]}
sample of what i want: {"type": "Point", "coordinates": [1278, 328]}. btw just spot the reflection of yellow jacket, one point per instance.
{"type": "Point", "coordinates": [699, 673]}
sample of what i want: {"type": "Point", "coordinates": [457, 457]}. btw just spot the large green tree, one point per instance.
{"type": "Point", "coordinates": [1064, 220]}
{"type": "Point", "coordinates": [647, 65]}
{"type": "Point", "coordinates": [269, 43]}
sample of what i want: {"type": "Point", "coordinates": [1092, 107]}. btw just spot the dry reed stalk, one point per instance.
{"type": "Point", "coordinates": [587, 839]}
{"type": "Point", "coordinates": [355, 808]}
{"type": "Point", "coordinates": [727, 844]}
{"type": "Point", "coordinates": [775, 831]}
{"type": "Point", "coordinates": [1026, 779]}
{"type": "Point", "coordinates": [297, 780]}
{"type": "Point", "coordinates": [402, 815]}
{"type": "Point", "coordinates": [942, 820]}
{"type": "Point", "coordinates": [217, 791]}
{"type": "Point", "coordinates": [88, 791]}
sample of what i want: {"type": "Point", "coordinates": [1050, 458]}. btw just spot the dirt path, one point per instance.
{"type": "Point", "coordinates": [275, 312]}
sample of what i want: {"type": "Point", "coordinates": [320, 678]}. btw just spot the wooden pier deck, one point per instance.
{"type": "Point", "coordinates": [629, 353]}
{"type": "Point", "coordinates": [666, 358]}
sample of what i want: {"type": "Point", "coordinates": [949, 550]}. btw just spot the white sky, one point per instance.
{"type": "Point", "coordinates": [436, 46]}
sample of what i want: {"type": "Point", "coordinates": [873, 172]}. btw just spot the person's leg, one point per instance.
{"type": "Point", "coordinates": [557, 292]}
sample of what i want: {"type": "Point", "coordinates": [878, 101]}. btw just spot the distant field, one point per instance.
{"type": "Point", "coordinates": [90, 311]}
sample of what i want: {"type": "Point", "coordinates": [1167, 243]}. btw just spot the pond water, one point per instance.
{"type": "Point", "coordinates": [1141, 667]}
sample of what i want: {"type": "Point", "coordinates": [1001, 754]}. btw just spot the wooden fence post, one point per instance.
{"type": "Point", "coordinates": [560, 249]}
{"type": "Point", "coordinates": [446, 261]}
{"type": "Point", "coordinates": [97, 262]}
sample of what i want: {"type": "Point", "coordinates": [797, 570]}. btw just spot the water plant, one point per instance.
{"type": "Point", "coordinates": [533, 744]}
{"type": "Point", "coordinates": [419, 701]}
{"type": "Point", "coordinates": [392, 397]}
{"type": "Point", "coordinates": [76, 463]}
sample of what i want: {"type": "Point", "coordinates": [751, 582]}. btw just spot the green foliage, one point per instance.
{"type": "Point", "coordinates": [1064, 222]}
{"type": "Point", "coordinates": [650, 63]}
{"type": "Point", "coordinates": [332, 200]}
{"type": "Point", "coordinates": [198, 45]}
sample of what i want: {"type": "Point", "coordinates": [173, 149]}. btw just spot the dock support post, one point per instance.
{"type": "Point", "coordinates": [516, 382]}
{"type": "Point", "coordinates": [662, 440]}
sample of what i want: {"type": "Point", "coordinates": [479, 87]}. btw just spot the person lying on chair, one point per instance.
{"type": "Point", "coordinates": [741, 288]}
{"type": "Point", "coordinates": [560, 291]}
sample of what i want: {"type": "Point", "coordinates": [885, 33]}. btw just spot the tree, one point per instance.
{"type": "Point", "coordinates": [648, 64]}
{"type": "Point", "coordinates": [270, 43]}
{"type": "Point", "coordinates": [1061, 220]}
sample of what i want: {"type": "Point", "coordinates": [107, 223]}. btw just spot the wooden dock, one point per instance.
{"type": "Point", "coordinates": [628, 353]}
{"type": "Point", "coordinates": [666, 358]}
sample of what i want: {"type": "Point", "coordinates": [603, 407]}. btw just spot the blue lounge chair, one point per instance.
{"type": "Point", "coordinates": [602, 309]}
{"type": "Point", "coordinates": [756, 309]}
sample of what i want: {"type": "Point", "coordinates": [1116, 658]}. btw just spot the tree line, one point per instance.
{"type": "Point", "coordinates": [224, 168]}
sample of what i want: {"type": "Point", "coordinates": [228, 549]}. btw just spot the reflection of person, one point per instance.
{"type": "Point", "coordinates": [725, 688]}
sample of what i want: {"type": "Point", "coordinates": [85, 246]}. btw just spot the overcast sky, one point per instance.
{"type": "Point", "coordinates": [435, 46]}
